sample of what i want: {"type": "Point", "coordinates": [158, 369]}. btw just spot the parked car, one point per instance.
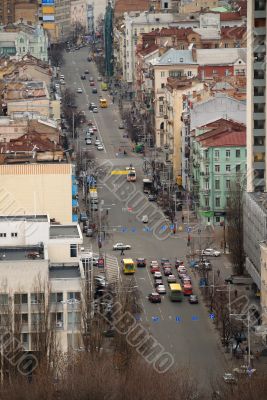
{"type": "Point", "coordinates": [211, 252]}
{"type": "Point", "coordinates": [79, 90]}
{"type": "Point", "coordinates": [97, 142]}
{"type": "Point", "coordinates": [193, 299]}
{"type": "Point", "coordinates": [154, 298]}
{"type": "Point", "coordinates": [229, 378]}
{"type": "Point", "coordinates": [94, 207]}
{"type": "Point", "coordinates": [83, 217]}
{"type": "Point", "coordinates": [89, 232]}
{"type": "Point", "coordinates": [88, 141]}
{"type": "Point", "coordinates": [121, 246]}
{"type": "Point", "coordinates": [100, 147]}
{"type": "Point", "coordinates": [145, 219]}
{"type": "Point", "coordinates": [121, 125]}
{"type": "Point", "coordinates": [152, 197]}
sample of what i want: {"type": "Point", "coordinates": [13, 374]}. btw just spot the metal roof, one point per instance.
{"type": "Point", "coordinates": [173, 56]}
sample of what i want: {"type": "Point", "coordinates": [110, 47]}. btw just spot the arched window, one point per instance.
{"type": "Point", "coordinates": [162, 126]}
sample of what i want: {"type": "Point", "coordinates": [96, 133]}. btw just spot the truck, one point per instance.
{"type": "Point", "coordinates": [239, 280]}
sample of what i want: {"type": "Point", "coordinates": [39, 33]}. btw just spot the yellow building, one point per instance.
{"type": "Point", "coordinates": [196, 5]}
{"type": "Point", "coordinates": [37, 188]}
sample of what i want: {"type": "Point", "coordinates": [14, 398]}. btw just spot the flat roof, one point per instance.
{"type": "Point", "coordinates": [37, 218]}
{"type": "Point", "coordinates": [64, 231]}
{"type": "Point", "coordinates": [64, 272]}
{"type": "Point", "coordinates": [21, 253]}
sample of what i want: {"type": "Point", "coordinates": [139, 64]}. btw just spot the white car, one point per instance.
{"type": "Point", "coordinates": [100, 147]}
{"type": "Point", "coordinates": [211, 252]}
{"type": "Point", "coordinates": [121, 246]}
{"type": "Point", "coordinates": [161, 289]}
{"type": "Point", "coordinates": [88, 141]}
{"type": "Point", "coordinates": [97, 142]}
{"type": "Point", "coordinates": [145, 219]}
{"type": "Point", "coordinates": [95, 110]}
{"type": "Point", "coordinates": [157, 275]}
{"type": "Point", "coordinates": [79, 90]}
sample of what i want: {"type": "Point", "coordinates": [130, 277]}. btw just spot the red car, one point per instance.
{"type": "Point", "coordinates": [154, 268]}
{"type": "Point", "coordinates": [154, 298]}
{"type": "Point", "coordinates": [92, 83]}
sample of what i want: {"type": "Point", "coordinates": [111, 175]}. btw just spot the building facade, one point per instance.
{"type": "Point", "coordinates": [256, 95]}
{"type": "Point", "coordinates": [218, 160]}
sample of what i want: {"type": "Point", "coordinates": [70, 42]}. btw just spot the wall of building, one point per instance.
{"type": "Point", "coordinates": [60, 252]}
{"type": "Point", "coordinates": [28, 12]}
{"type": "Point", "coordinates": [28, 232]}
{"type": "Point", "coordinates": [78, 14]}
{"type": "Point", "coordinates": [37, 189]}
{"type": "Point", "coordinates": [33, 105]}
{"type": "Point", "coordinates": [211, 71]}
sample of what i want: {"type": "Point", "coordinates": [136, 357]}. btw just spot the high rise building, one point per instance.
{"type": "Point", "coordinates": [256, 96]}
{"type": "Point", "coordinates": [7, 11]}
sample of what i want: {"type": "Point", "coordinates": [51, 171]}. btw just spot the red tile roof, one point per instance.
{"type": "Point", "coordinates": [149, 49]}
{"type": "Point", "coordinates": [230, 16]}
{"type": "Point", "coordinates": [237, 32]}
{"type": "Point", "coordinates": [223, 133]}
{"type": "Point", "coordinates": [122, 6]}
{"type": "Point", "coordinates": [27, 143]}
{"type": "Point", "coordinates": [180, 33]}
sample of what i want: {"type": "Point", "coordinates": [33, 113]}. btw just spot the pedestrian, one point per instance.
{"type": "Point", "coordinates": [235, 294]}
{"type": "Point", "coordinates": [182, 218]}
{"type": "Point", "coordinates": [122, 252]}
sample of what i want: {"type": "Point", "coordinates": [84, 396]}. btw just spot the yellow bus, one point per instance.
{"type": "Point", "coordinates": [128, 266]}
{"type": "Point", "coordinates": [103, 103]}
{"type": "Point", "coordinates": [176, 293]}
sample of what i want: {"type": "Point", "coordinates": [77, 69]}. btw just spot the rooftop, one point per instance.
{"type": "Point", "coordinates": [175, 57]}
{"type": "Point", "coordinates": [122, 6]}
{"type": "Point", "coordinates": [64, 231]}
{"type": "Point", "coordinates": [30, 142]}
{"type": "Point", "coordinates": [222, 56]}
{"type": "Point", "coordinates": [230, 16]}
{"type": "Point", "coordinates": [63, 271]}
{"type": "Point", "coordinates": [25, 253]}
{"type": "Point", "coordinates": [222, 133]}
{"type": "Point", "coordinates": [36, 218]}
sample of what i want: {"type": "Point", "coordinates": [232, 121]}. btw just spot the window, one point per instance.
{"type": "Point", "coordinates": [14, 234]}
{"type": "Point", "coordinates": [73, 319]}
{"type": "Point", "coordinates": [228, 168]}
{"type": "Point", "coordinates": [25, 338]}
{"type": "Point", "coordinates": [226, 45]}
{"type": "Point", "coordinates": [217, 219]}
{"type": "Point", "coordinates": [161, 109]}
{"type": "Point", "coordinates": [189, 73]}
{"type": "Point", "coordinates": [227, 201]}
{"type": "Point", "coordinates": [227, 153]}
{"type": "Point", "coordinates": [217, 184]}
{"type": "Point", "coordinates": [73, 250]}
{"type": "Point", "coordinates": [175, 74]}
{"type": "Point", "coordinates": [162, 74]}
{"type": "Point", "coordinates": [217, 201]}
{"type": "Point", "coordinates": [23, 49]}
{"type": "Point", "coordinates": [217, 168]}
{"type": "Point", "coordinates": [74, 295]}
{"type": "Point", "coordinates": [3, 299]}
{"type": "Point", "coordinates": [21, 40]}
{"type": "Point", "coordinates": [56, 297]}
{"type": "Point", "coordinates": [24, 318]}
{"type": "Point", "coordinates": [162, 85]}
{"type": "Point", "coordinates": [21, 298]}
{"type": "Point", "coordinates": [228, 183]}
{"type": "Point", "coordinates": [216, 154]}
{"type": "Point", "coordinates": [237, 153]}
{"type": "Point", "coordinates": [237, 168]}
{"type": "Point", "coordinates": [207, 201]}
{"type": "Point", "coordinates": [181, 60]}
{"type": "Point", "coordinates": [37, 298]}
{"type": "Point", "coordinates": [2, 234]}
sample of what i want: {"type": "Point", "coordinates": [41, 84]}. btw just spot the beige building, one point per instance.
{"type": "Point", "coordinates": [172, 135]}
{"type": "Point", "coordinates": [263, 274]}
{"type": "Point", "coordinates": [173, 64]}
{"type": "Point", "coordinates": [78, 15]}
{"type": "Point", "coordinates": [191, 6]}
{"type": "Point", "coordinates": [37, 188]}
{"type": "Point", "coordinates": [27, 12]}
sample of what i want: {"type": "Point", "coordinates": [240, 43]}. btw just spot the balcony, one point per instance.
{"type": "Point", "coordinates": [260, 31]}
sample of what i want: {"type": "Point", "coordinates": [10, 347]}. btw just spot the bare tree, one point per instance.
{"type": "Point", "coordinates": [56, 54]}
{"type": "Point", "coordinates": [235, 226]}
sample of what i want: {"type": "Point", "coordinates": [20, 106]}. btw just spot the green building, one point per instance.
{"type": "Point", "coordinates": [218, 159]}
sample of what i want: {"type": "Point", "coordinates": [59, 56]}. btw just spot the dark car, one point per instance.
{"type": "Point", "coordinates": [167, 271]}
{"type": "Point", "coordinates": [92, 106]}
{"type": "Point", "coordinates": [193, 299]}
{"type": "Point", "coordinates": [152, 197]}
{"type": "Point", "coordinates": [89, 59]}
{"type": "Point", "coordinates": [109, 333]}
{"type": "Point", "coordinates": [94, 90]}
{"type": "Point", "coordinates": [83, 217]}
{"type": "Point", "coordinates": [154, 298]}
{"type": "Point", "coordinates": [86, 71]}
{"type": "Point", "coordinates": [164, 261]}
{"type": "Point", "coordinates": [83, 77]}
{"type": "Point", "coordinates": [140, 262]}
{"type": "Point", "coordinates": [158, 282]}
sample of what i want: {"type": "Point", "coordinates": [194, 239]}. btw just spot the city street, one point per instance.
{"type": "Point", "coordinates": [185, 330]}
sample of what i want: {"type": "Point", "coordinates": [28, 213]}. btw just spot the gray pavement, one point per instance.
{"type": "Point", "coordinates": [184, 330]}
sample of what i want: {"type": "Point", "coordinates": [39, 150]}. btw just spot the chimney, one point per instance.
{"type": "Point", "coordinates": [194, 54]}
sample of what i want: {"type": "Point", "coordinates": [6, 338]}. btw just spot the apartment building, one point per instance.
{"type": "Point", "coordinates": [256, 95]}
{"type": "Point", "coordinates": [56, 18]}
{"type": "Point", "coordinates": [218, 159]}
{"type": "Point", "coordinates": [41, 276]}
{"type": "Point", "coordinates": [190, 6]}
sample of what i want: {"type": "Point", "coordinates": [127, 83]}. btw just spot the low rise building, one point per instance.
{"type": "Point", "coordinates": [191, 6]}
{"type": "Point", "coordinates": [218, 160]}
{"type": "Point", "coordinates": [45, 188]}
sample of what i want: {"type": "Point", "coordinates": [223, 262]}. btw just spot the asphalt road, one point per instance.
{"type": "Point", "coordinates": [184, 330]}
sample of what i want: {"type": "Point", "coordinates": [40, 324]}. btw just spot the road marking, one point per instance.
{"type": "Point", "coordinates": [119, 172]}
{"type": "Point", "coordinates": [161, 313]}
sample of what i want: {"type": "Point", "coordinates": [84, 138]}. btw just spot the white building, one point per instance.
{"type": "Point", "coordinates": [40, 265]}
